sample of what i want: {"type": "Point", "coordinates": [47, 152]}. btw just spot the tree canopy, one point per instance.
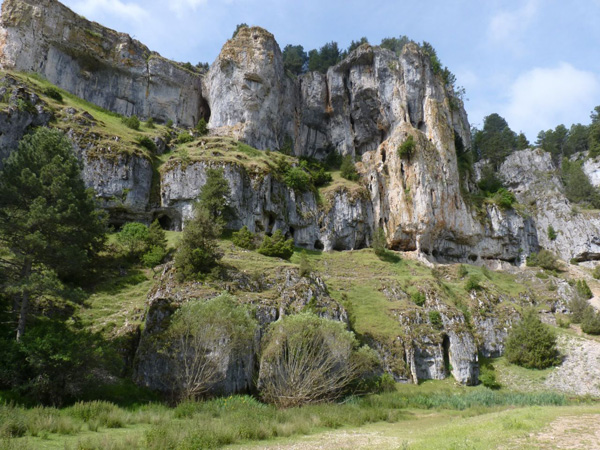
{"type": "Point", "coordinates": [495, 141]}
{"type": "Point", "coordinates": [49, 224]}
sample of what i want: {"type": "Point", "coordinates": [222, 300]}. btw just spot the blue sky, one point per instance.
{"type": "Point", "coordinates": [535, 62]}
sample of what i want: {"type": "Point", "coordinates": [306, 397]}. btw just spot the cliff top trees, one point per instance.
{"type": "Point", "coordinates": [495, 141]}
{"type": "Point", "coordinates": [48, 220]}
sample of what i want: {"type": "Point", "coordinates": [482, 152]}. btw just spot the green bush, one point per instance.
{"type": "Point", "coordinates": [552, 233]}
{"type": "Point", "coordinates": [504, 198]}
{"type": "Point", "coordinates": [202, 127]}
{"type": "Point", "coordinates": [150, 123]}
{"type": "Point", "coordinates": [305, 268]}
{"type": "Point", "coordinates": [379, 242]}
{"type": "Point", "coordinates": [487, 375]}
{"type": "Point", "coordinates": [406, 149]}
{"type": "Point", "coordinates": [435, 318]}
{"type": "Point", "coordinates": [154, 256]}
{"type": "Point", "coordinates": [596, 272]}
{"type": "Point", "coordinates": [244, 238]}
{"type": "Point", "coordinates": [309, 359]}
{"type": "Point", "coordinates": [277, 246]}
{"type": "Point", "coordinates": [131, 122]}
{"type": "Point", "coordinates": [580, 309]}
{"type": "Point", "coordinates": [531, 343]}
{"type": "Point", "coordinates": [184, 137]}
{"type": "Point", "coordinates": [583, 289]}
{"type": "Point", "coordinates": [348, 169]}
{"type": "Point", "coordinates": [53, 93]}
{"type": "Point", "coordinates": [169, 124]}
{"type": "Point", "coordinates": [133, 239]}
{"type": "Point", "coordinates": [472, 283]}
{"type": "Point", "coordinates": [591, 322]}
{"type": "Point", "coordinates": [298, 179]}
{"type": "Point", "coordinates": [333, 160]}
{"type": "Point", "coordinates": [147, 143]}
{"type": "Point", "coordinates": [418, 298]}
{"type": "Point", "coordinates": [544, 259]}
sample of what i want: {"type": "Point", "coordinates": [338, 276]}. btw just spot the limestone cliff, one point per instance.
{"type": "Point", "coordinates": [97, 64]}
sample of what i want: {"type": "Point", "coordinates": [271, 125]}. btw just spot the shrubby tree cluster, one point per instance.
{"type": "Point", "coordinates": [531, 343]}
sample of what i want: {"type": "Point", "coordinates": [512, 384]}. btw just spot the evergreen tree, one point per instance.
{"type": "Point", "coordinates": [395, 44]}
{"type": "Point", "coordinates": [322, 59]}
{"type": "Point", "coordinates": [355, 44]}
{"type": "Point", "coordinates": [214, 196]}
{"type": "Point", "coordinates": [294, 59]}
{"type": "Point", "coordinates": [531, 343]}
{"type": "Point", "coordinates": [522, 142]}
{"type": "Point", "coordinates": [49, 223]}
{"type": "Point", "coordinates": [238, 28]}
{"type": "Point", "coordinates": [495, 141]}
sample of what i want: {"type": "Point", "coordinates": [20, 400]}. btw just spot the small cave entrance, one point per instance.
{"type": "Point", "coordinates": [383, 155]}
{"type": "Point", "coordinates": [446, 350]}
{"type": "Point", "coordinates": [319, 245]}
{"type": "Point", "coordinates": [292, 231]}
{"type": "Point", "coordinates": [166, 223]}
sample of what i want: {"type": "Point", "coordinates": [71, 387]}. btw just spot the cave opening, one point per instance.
{"type": "Point", "coordinates": [165, 222]}
{"type": "Point", "coordinates": [319, 245]}
{"type": "Point", "coordinates": [383, 155]}
{"type": "Point", "coordinates": [446, 350]}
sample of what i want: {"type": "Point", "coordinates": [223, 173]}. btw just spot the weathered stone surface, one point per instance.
{"type": "Point", "coordinates": [534, 179]}
{"type": "Point", "coordinates": [100, 65]}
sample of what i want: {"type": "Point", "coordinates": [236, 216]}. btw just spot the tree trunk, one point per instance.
{"type": "Point", "coordinates": [24, 301]}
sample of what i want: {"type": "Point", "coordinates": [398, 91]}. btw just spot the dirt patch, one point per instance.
{"type": "Point", "coordinates": [340, 440]}
{"type": "Point", "coordinates": [571, 432]}
{"type": "Point", "coordinates": [579, 373]}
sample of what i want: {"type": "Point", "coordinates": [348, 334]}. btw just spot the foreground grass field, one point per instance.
{"type": "Point", "coordinates": [427, 415]}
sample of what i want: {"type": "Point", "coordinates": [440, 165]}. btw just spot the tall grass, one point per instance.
{"type": "Point", "coordinates": [223, 421]}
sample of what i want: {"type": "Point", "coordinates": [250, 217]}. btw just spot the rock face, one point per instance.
{"type": "Point", "coordinates": [100, 65]}
{"type": "Point", "coordinates": [534, 179]}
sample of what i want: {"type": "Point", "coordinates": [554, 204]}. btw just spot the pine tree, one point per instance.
{"type": "Point", "coordinates": [49, 223]}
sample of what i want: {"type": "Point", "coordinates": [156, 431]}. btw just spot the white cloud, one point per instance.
{"type": "Point", "coordinates": [506, 27]}
{"type": "Point", "coordinates": [129, 11]}
{"type": "Point", "coordinates": [183, 6]}
{"type": "Point", "coordinates": [543, 98]}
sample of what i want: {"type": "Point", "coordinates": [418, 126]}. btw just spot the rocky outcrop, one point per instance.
{"type": "Point", "coordinates": [97, 64]}
{"type": "Point", "coordinates": [264, 203]}
{"type": "Point", "coordinates": [534, 179]}
{"type": "Point", "coordinates": [154, 366]}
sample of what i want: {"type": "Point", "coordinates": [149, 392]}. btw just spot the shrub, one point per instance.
{"type": "Point", "coordinates": [147, 143]}
{"type": "Point", "coordinates": [591, 322]}
{"type": "Point", "coordinates": [305, 268]}
{"type": "Point", "coordinates": [435, 318]}
{"type": "Point", "coordinates": [202, 127]}
{"type": "Point", "coordinates": [154, 256]}
{"type": "Point", "coordinates": [596, 272]}
{"type": "Point", "coordinates": [544, 259]}
{"type": "Point", "coordinates": [244, 238]}
{"type": "Point", "coordinates": [196, 331]}
{"type": "Point", "coordinates": [551, 233]}
{"type": "Point", "coordinates": [532, 344]}
{"type": "Point", "coordinates": [418, 298]}
{"type": "Point", "coordinates": [150, 123]}
{"type": "Point", "coordinates": [379, 242]}
{"type": "Point", "coordinates": [406, 149]}
{"type": "Point", "coordinates": [298, 179]}
{"type": "Point", "coordinates": [53, 93]}
{"type": "Point", "coordinates": [198, 251]}
{"type": "Point", "coordinates": [487, 375]}
{"type": "Point", "coordinates": [504, 198]}
{"type": "Point", "coordinates": [131, 122]}
{"type": "Point", "coordinates": [308, 359]}
{"type": "Point", "coordinates": [277, 246]}
{"type": "Point", "coordinates": [184, 137]}
{"type": "Point", "coordinates": [472, 283]}
{"type": "Point", "coordinates": [462, 271]}
{"type": "Point", "coordinates": [133, 239]}
{"type": "Point", "coordinates": [333, 160]}
{"type": "Point", "coordinates": [348, 169]}
{"type": "Point", "coordinates": [169, 124]}
{"type": "Point", "coordinates": [583, 289]}
{"type": "Point", "coordinates": [580, 308]}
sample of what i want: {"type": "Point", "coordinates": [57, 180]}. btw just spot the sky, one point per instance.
{"type": "Point", "coordinates": [534, 62]}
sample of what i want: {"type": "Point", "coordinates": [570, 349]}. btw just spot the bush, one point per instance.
{"type": "Point", "coordinates": [169, 124]}
{"type": "Point", "coordinates": [462, 271]}
{"type": "Point", "coordinates": [307, 359]}
{"type": "Point", "coordinates": [133, 239]}
{"type": "Point", "coordinates": [348, 169]}
{"type": "Point", "coordinates": [435, 318]}
{"type": "Point", "coordinates": [131, 122]}
{"type": "Point", "coordinates": [379, 242]}
{"type": "Point", "coordinates": [53, 93]}
{"type": "Point", "coordinates": [277, 246]}
{"type": "Point", "coordinates": [532, 344]}
{"type": "Point", "coordinates": [591, 322]}
{"type": "Point", "coordinates": [150, 123]}
{"type": "Point", "coordinates": [552, 233]}
{"type": "Point", "coordinates": [418, 298]}
{"type": "Point", "coordinates": [544, 259]}
{"type": "Point", "coordinates": [202, 127]}
{"type": "Point", "coordinates": [596, 272]}
{"type": "Point", "coordinates": [244, 238]}
{"type": "Point", "coordinates": [504, 198]}
{"type": "Point", "coordinates": [406, 149]}
{"type": "Point", "coordinates": [305, 268]}
{"type": "Point", "coordinates": [184, 137]}
{"type": "Point", "coordinates": [472, 283]}
{"type": "Point", "coordinates": [487, 375]}
{"type": "Point", "coordinates": [580, 309]}
{"type": "Point", "coordinates": [298, 179]}
{"type": "Point", "coordinates": [196, 330]}
{"type": "Point", "coordinates": [154, 256]}
{"type": "Point", "coordinates": [583, 290]}
{"type": "Point", "coordinates": [333, 160]}
{"type": "Point", "coordinates": [147, 143]}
